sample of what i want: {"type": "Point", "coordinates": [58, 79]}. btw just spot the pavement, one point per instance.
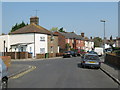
{"type": "Point", "coordinates": [34, 59]}
{"type": "Point", "coordinates": [111, 71]}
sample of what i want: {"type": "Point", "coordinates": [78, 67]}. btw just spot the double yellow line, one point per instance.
{"type": "Point", "coordinates": [23, 73]}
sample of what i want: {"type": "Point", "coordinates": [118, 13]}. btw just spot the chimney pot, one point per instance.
{"type": "Point", "coordinates": [82, 34]}
{"type": "Point", "coordinates": [34, 20]}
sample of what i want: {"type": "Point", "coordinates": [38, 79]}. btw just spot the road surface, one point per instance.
{"type": "Point", "coordinates": [61, 73]}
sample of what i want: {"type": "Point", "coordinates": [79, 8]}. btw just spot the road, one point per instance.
{"type": "Point", "coordinates": [61, 73]}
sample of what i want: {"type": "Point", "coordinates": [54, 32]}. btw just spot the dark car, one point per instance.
{"type": "Point", "coordinates": [69, 54]}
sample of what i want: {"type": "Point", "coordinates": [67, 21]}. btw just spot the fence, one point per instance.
{"type": "Point", "coordinates": [113, 60]}
{"type": "Point", "coordinates": [48, 55]}
{"type": "Point", "coordinates": [18, 55]}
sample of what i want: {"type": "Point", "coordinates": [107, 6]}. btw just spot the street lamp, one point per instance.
{"type": "Point", "coordinates": [104, 32]}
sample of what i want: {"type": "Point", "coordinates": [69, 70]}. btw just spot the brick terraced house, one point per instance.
{"type": "Point", "coordinates": [69, 38]}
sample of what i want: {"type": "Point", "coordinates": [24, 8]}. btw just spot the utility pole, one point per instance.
{"type": "Point", "coordinates": [104, 33]}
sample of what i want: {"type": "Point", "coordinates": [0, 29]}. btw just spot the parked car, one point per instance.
{"type": "Point", "coordinates": [91, 60]}
{"type": "Point", "coordinates": [69, 54]}
{"type": "Point", "coordinates": [3, 75]}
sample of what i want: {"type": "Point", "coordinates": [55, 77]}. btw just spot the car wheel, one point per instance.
{"type": "Point", "coordinates": [83, 66]}
{"type": "Point", "coordinates": [98, 67]}
{"type": "Point", "coordinates": [4, 83]}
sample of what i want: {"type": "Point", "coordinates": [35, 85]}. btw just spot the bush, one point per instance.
{"type": "Point", "coordinates": [116, 48]}
{"type": "Point", "coordinates": [117, 52]}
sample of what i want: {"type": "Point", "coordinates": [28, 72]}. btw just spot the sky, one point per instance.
{"type": "Point", "coordinates": [73, 16]}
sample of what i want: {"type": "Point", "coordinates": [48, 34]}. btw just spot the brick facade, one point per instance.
{"type": "Point", "coordinates": [52, 44]}
{"type": "Point", "coordinates": [61, 41]}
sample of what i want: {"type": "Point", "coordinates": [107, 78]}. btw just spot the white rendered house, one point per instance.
{"type": "Point", "coordinates": [31, 38]}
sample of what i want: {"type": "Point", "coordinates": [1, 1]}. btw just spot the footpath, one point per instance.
{"type": "Point", "coordinates": [112, 71]}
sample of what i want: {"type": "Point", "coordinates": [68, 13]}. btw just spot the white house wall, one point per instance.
{"type": "Point", "coordinates": [40, 44]}
{"type": "Point", "coordinates": [21, 38]}
{"type": "Point", "coordinates": [24, 38]}
{"type": "Point", "coordinates": [2, 39]}
{"type": "Point", "coordinates": [89, 45]}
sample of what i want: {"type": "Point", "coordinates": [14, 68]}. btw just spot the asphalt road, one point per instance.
{"type": "Point", "coordinates": [61, 73]}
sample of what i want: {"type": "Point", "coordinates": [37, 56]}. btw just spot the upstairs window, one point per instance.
{"type": "Point", "coordinates": [42, 38]}
{"type": "Point", "coordinates": [52, 38]}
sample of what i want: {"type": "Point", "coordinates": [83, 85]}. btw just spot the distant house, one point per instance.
{"type": "Point", "coordinates": [88, 43]}
{"type": "Point", "coordinates": [109, 43]}
{"type": "Point", "coordinates": [69, 38]}
{"type": "Point", "coordinates": [118, 42]}
{"type": "Point", "coordinates": [31, 38]}
{"type": "Point", "coordinates": [61, 41]}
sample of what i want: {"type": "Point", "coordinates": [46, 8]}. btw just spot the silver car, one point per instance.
{"type": "Point", "coordinates": [91, 60]}
{"type": "Point", "coordinates": [3, 75]}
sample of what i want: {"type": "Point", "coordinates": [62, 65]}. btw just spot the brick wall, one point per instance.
{"type": "Point", "coordinates": [18, 55]}
{"type": "Point", "coordinates": [53, 43]}
{"type": "Point", "coordinates": [61, 40]}
{"type": "Point", "coordinates": [113, 60]}
{"type": "Point", "coordinates": [6, 60]}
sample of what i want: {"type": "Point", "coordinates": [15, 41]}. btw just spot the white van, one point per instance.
{"type": "Point", "coordinates": [99, 51]}
{"type": "Point", "coordinates": [3, 75]}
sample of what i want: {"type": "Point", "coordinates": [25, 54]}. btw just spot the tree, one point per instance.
{"type": "Point", "coordinates": [18, 26]}
{"type": "Point", "coordinates": [53, 29]}
{"type": "Point", "coordinates": [111, 37]}
{"type": "Point", "coordinates": [61, 30]}
{"type": "Point", "coordinates": [97, 42]}
{"type": "Point", "coordinates": [67, 46]}
{"type": "Point", "coordinates": [3, 34]}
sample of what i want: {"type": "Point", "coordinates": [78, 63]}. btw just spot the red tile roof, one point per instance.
{"type": "Point", "coordinates": [32, 28]}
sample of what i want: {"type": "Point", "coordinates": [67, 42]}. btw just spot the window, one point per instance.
{"type": "Point", "coordinates": [72, 40]}
{"type": "Point", "coordinates": [52, 38]}
{"type": "Point", "coordinates": [68, 40]}
{"type": "Point", "coordinates": [30, 49]}
{"type": "Point", "coordinates": [51, 49]}
{"type": "Point", "coordinates": [42, 38]}
{"type": "Point", "coordinates": [42, 50]}
{"type": "Point", "coordinates": [21, 49]}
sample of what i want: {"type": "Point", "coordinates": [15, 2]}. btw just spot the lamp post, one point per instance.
{"type": "Point", "coordinates": [4, 48]}
{"type": "Point", "coordinates": [104, 33]}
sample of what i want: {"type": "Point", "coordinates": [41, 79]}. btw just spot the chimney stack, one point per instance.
{"type": "Point", "coordinates": [82, 34]}
{"type": "Point", "coordinates": [91, 38]}
{"type": "Point", "coordinates": [34, 20]}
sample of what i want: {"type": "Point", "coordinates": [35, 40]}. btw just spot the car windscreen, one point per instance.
{"type": "Point", "coordinates": [67, 52]}
{"type": "Point", "coordinates": [91, 57]}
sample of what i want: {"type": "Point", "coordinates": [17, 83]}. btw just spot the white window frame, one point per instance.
{"type": "Point", "coordinates": [51, 48]}
{"type": "Point", "coordinates": [42, 38]}
{"type": "Point", "coordinates": [42, 50]}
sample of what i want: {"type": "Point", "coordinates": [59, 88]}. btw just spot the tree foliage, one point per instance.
{"type": "Point", "coordinates": [61, 30]}
{"type": "Point", "coordinates": [18, 26]}
{"type": "Point", "coordinates": [53, 29]}
{"type": "Point", "coordinates": [97, 42]}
